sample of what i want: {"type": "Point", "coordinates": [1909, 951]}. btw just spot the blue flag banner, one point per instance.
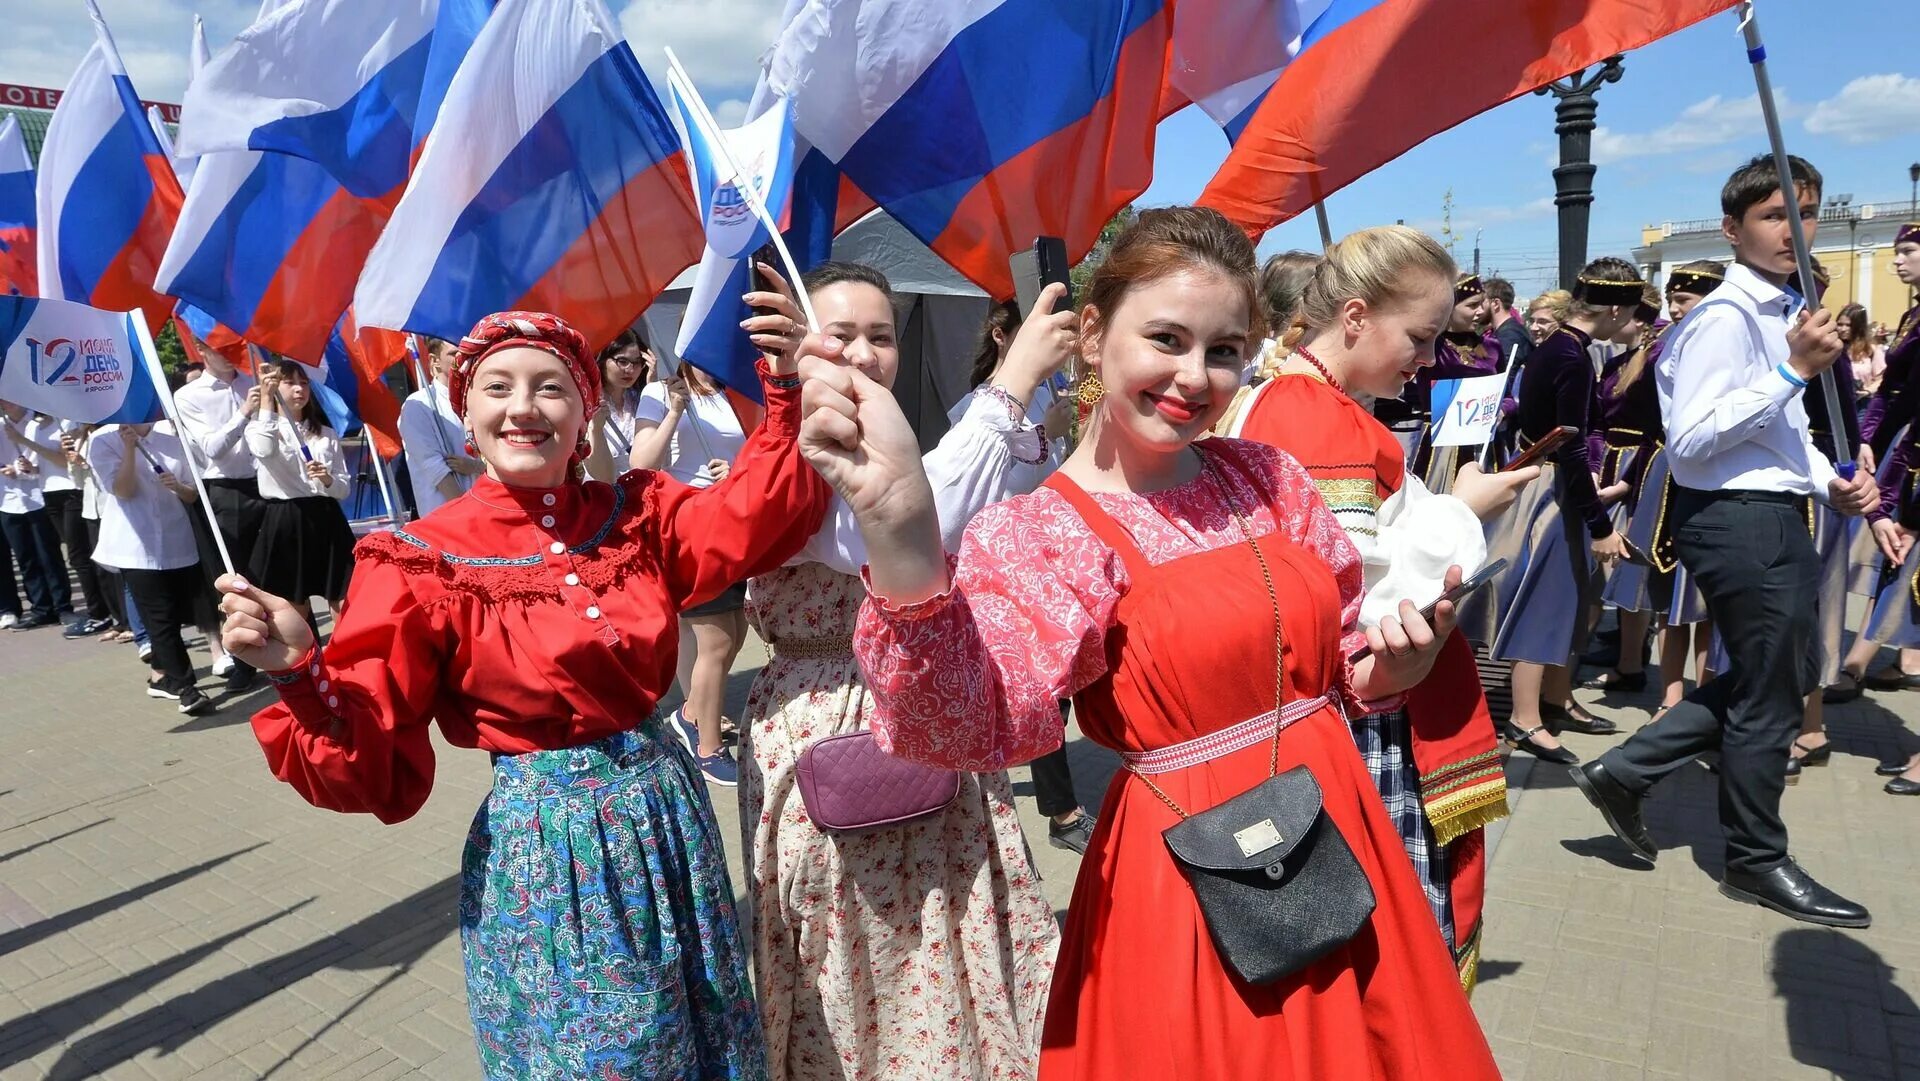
{"type": "Point", "coordinates": [74, 362]}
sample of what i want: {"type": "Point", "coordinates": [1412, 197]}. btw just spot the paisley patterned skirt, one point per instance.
{"type": "Point", "coordinates": [597, 920]}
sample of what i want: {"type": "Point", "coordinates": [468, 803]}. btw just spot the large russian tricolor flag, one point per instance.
{"type": "Point", "coordinates": [106, 194]}
{"type": "Point", "coordinates": [981, 124]}
{"type": "Point", "coordinates": [552, 181]}
{"type": "Point", "coordinates": [19, 276]}
{"type": "Point", "coordinates": [290, 195]}
{"type": "Point", "coordinates": [1365, 86]}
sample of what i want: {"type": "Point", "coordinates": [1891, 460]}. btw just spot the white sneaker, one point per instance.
{"type": "Point", "coordinates": [8, 619]}
{"type": "Point", "coordinates": [146, 650]}
{"type": "Point", "coordinates": [223, 665]}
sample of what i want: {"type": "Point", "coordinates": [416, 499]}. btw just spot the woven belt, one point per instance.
{"type": "Point", "coordinates": [1224, 742]}
{"type": "Point", "coordinates": [828, 647]}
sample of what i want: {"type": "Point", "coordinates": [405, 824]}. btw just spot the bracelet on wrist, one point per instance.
{"type": "Point", "coordinates": [1790, 375]}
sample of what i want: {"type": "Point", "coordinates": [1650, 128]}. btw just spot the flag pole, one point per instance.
{"type": "Point", "coordinates": [1486, 449]}
{"type": "Point", "coordinates": [150, 357]}
{"type": "Point", "coordinates": [678, 79]}
{"type": "Point", "coordinates": [1809, 288]}
{"type": "Point", "coordinates": [380, 478]}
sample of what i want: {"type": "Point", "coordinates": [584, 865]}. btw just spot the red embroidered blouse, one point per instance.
{"type": "Point", "coordinates": [525, 619]}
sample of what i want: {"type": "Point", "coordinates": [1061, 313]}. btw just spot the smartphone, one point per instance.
{"type": "Point", "coordinates": [1481, 579]}
{"type": "Point", "coordinates": [769, 255]}
{"type": "Point", "coordinates": [1037, 268]}
{"type": "Point", "coordinates": [1547, 445]}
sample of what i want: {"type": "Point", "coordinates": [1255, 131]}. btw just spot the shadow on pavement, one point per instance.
{"type": "Point", "coordinates": [24, 1037]}
{"type": "Point", "coordinates": [4, 857]}
{"type": "Point", "coordinates": [23, 937]}
{"type": "Point", "coordinates": [395, 937]}
{"type": "Point", "coordinates": [1842, 1005]}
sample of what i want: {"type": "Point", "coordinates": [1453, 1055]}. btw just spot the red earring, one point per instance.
{"type": "Point", "coordinates": [472, 451]}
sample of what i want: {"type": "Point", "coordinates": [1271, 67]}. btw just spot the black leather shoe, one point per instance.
{"type": "Point", "coordinates": [1900, 786]}
{"type": "Point", "coordinates": [1791, 891]}
{"type": "Point", "coordinates": [1620, 807]}
{"type": "Point", "coordinates": [1524, 741]}
{"type": "Point", "coordinates": [1891, 769]}
{"type": "Point", "coordinates": [1793, 770]}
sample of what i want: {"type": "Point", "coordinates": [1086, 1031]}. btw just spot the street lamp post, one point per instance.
{"type": "Point", "coordinates": [1574, 111]}
{"type": "Point", "coordinates": [1913, 197]}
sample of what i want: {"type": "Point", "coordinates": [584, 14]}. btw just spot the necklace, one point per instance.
{"type": "Point", "coordinates": [1301, 352]}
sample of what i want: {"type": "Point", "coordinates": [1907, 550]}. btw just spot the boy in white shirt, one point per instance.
{"type": "Point", "coordinates": [1744, 464]}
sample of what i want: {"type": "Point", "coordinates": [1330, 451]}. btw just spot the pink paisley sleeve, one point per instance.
{"type": "Point", "coordinates": [970, 679]}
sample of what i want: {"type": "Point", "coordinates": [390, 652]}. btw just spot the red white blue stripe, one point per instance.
{"type": "Point", "coordinates": [551, 181]}
{"type": "Point", "coordinates": [271, 241]}
{"type": "Point", "coordinates": [19, 276]}
{"type": "Point", "coordinates": [981, 124]}
{"type": "Point", "coordinates": [1361, 85]}
{"type": "Point", "coordinates": [106, 195]}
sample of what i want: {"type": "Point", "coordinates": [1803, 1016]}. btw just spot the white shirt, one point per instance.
{"type": "Point", "coordinates": [430, 431]}
{"type": "Point", "coordinates": [1733, 421]}
{"type": "Point", "coordinates": [46, 431]}
{"type": "Point", "coordinates": [707, 430]}
{"type": "Point", "coordinates": [211, 415]}
{"type": "Point", "coordinates": [283, 469]}
{"type": "Point", "coordinates": [21, 494]}
{"type": "Point", "coordinates": [149, 530]}
{"type": "Point", "coordinates": [972, 468]}
{"type": "Point", "coordinates": [1025, 477]}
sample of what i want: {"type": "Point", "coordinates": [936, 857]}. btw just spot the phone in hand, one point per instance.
{"type": "Point", "coordinates": [1481, 579]}
{"type": "Point", "coordinates": [769, 255]}
{"type": "Point", "coordinates": [1546, 445]}
{"type": "Point", "coordinates": [1036, 268]}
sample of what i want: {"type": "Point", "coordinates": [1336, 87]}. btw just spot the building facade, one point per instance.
{"type": "Point", "coordinates": [1854, 244]}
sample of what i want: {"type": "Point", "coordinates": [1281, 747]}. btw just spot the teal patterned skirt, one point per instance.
{"type": "Point", "coordinates": [597, 920]}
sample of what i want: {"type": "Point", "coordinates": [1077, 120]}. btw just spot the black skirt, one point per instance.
{"type": "Point", "coordinates": [305, 549]}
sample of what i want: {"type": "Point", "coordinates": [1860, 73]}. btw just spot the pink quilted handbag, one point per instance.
{"type": "Point", "coordinates": [850, 785]}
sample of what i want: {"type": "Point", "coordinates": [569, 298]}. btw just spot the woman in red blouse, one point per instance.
{"type": "Point", "coordinates": [534, 617]}
{"type": "Point", "coordinates": [1199, 602]}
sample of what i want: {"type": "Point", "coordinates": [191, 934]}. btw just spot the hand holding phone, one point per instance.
{"type": "Point", "coordinates": [1481, 579]}
{"type": "Point", "coordinates": [1043, 265]}
{"type": "Point", "coordinates": [1547, 445]}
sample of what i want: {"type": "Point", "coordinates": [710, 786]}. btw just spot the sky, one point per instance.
{"type": "Point", "coordinates": [1845, 71]}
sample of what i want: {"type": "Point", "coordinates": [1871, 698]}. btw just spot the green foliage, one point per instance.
{"type": "Point", "coordinates": [1083, 271]}
{"type": "Point", "coordinates": [173, 356]}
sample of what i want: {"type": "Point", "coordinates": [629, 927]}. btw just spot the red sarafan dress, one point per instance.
{"type": "Point", "coordinates": [1151, 610]}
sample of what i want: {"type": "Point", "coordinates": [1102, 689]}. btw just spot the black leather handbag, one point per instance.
{"type": "Point", "coordinates": [1277, 884]}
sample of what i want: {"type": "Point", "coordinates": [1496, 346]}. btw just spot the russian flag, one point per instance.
{"type": "Point", "coordinates": [19, 276]}
{"type": "Point", "coordinates": [1226, 54]}
{"type": "Point", "coordinates": [1365, 86]}
{"type": "Point", "coordinates": [355, 359]}
{"type": "Point", "coordinates": [551, 181]}
{"type": "Point", "coordinates": [106, 196]}
{"type": "Point", "coordinates": [710, 335]}
{"type": "Point", "coordinates": [272, 243]}
{"type": "Point", "coordinates": [982, 124]}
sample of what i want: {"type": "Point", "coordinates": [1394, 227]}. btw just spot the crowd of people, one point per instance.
{"type": "Point", "coordinates": [1196, 513]}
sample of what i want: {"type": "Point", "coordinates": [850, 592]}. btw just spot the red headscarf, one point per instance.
{"type": "Point", "coordinates": [532, 330]}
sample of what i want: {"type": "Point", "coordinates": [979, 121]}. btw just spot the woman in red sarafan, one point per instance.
{"type": "Point", "coordinates": [1373, 313]}
{"type": "Point", "coordinates": [1145, 580]}
{"type": "Point", "coordinates": [534, 617]}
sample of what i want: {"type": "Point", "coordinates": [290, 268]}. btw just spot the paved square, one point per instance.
{"type": "Point", "coordinates": [168, 910]}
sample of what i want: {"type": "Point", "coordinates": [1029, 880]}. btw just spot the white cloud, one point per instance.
{"type": "Point", "coordinates": [719, 41]}
{"type": "Point", "coordinates": [730, 112]}
{"type": "Point", "coordinates": [1713, 122]}
{"type": "Point", "coordinates": [1869, 109]}
{"type": "Point", "coordinates": [1467, 219]}
{"type": "Point", "coordinates": [45, 39]}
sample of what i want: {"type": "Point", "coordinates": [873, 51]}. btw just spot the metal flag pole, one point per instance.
{"type": "Point", "coordinates": [150, 357]}
{"type": "Point", "coordinates": [1486, 449]}
{"type": "Point", "coordinates": [1757, 56]}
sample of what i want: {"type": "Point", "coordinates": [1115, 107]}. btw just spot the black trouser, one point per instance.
{"type": "Point", "coordinates": [111, 585]}
{"type": "Point", "coordinates": [9, 585]}
{"type": "Point", "coordinates": [63, 508]}
{"type": "Point", "coordinates": [167, 601]}
{"type": "Point", "coordinates": [37, 547]}
{"type": "Point", "coordinates": [1756, 566]}
{"type": "Point", "coordinates": [1053, 779]}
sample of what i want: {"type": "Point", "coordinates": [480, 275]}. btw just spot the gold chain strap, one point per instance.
{"type": "Point", "coordinates": [1279, 654]}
